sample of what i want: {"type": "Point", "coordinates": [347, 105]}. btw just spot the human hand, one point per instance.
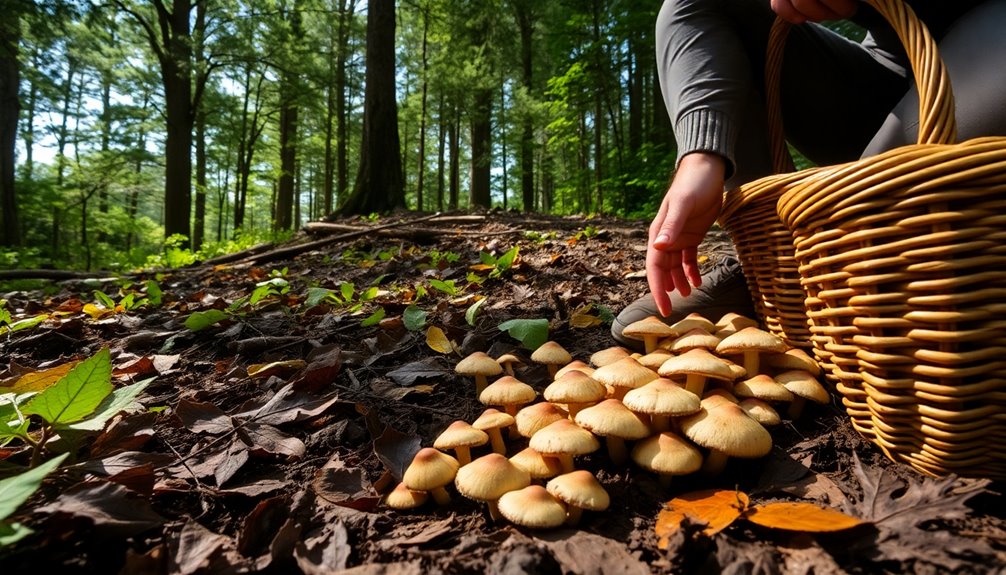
{"type": "Point", "coordinates": [689, 208]}
{"type": "Point", "coordinates": [800, 11]}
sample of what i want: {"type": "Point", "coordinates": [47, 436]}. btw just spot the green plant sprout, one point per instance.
{"type": "Point", "coordinates": [501, 264]}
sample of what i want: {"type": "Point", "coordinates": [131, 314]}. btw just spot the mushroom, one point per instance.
{"type": "Point", "coordinates": [608, 355]}
{"type": "Point", "coordinates": [751, 342]}
{"type": "Point", "coordinates": [575, 390]}
{"type": "Point", "coordinates": [402, 498]}
{"type": "Point", "coordinates": [480, 366]}
{"type": "Point", "coordinates": [613, 421]}
{"type": "Point", "coordinates": [488, 477]}
{"type": "Point", "coordinates": [805, 387]}
{"type": "Point", "coordinates": [536, 464]}
{"type": "Point", "coordinates": [430, 470]}
{"type": "Point", "coordinates": [492, 421]}
{"type": "Point", "coordinates": [762, 387]}
{"type": "Point", "coordinates": [623, 375]}
{"type": "Point", "coordinates": [650, 330]}
{"type": "Point", "coordinates": [661, 399]}
{"type": "Point", "coordinates": [508, 392]}
{"type": "Point", "coordinates": [536, 416]}
{"type": "Point", "coordinates": [730, 323]}
{"type": "Point", "coordinates": [692, 321]}
{"type": "Point", "coordinates": [507, 361]}
{"type": "Point", "coordinates": [694, 338]}
{"type": "Point", "coordinates": [575, 365]}
{"type": "Point", "coordinates": [726, 431]}
{"type": "Point", "coordinates": [563, 439]}
{"type": "Point", "coordinates": [532, 507]}
{"type": "Point", "coordinates": [696, 365]}
{"type": "Point", "coordinates": [461, 437]}
{"type": "Point", "coordinates": [667, 454]}
{"type": "Point", "coordinates": [579, 490]}
{"type": "Point", "coordinates": [760, 411]}
{"type": "Point", "coordinates": [793, 358]}
{"type": "Point", "coordinates": [552, 355]}
{"type": "Point", "coordinates": [653, 360]}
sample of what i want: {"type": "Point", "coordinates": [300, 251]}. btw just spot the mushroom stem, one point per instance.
{"type": "Point", "coordinates": [494, 511]}
{"type": "Point", "coordinates": [464, 454]}
{"type": "Point", "coordinates": [714, 463]}
{"type": "Point", "coordinates": [751, 363]}
{"type": "Point", "coordinates": [618, 392]}
{"type": "Point", "coordinates": [566, 460]}
{"type": "Point", "coordinates": [441, 496]}
{"type": "Point", "coordinates": [573, 514]}
{"type": "Point", "coordinates": [795, 407]}
{"type": "Point", "coordinates": [650, 342]}
{"type": "Point", "coordinates": [496, 439]}
{"type": "Point", "coordinates": [481, 382]}
{"type": "Point", "coordinates": [552, 368]}
{"type": "Point", "coordinates": [695, 383]}
{"type": "Point", "coordinates": [660, 422]}
{"type": "Point", "coordinates": [616, 450]}
{"type": "Point", "coordinates": [573, 409]}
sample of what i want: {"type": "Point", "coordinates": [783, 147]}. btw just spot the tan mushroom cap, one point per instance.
{"type": "Point", "coordinates": [661, 399]}
{"type": "Point", "coordinates": [655, 359]}
{"type": "Point", "coordinates": [533, 507]}
{"type": "Point", "coordinates": [724, 429]}
{"type": "Point", "coordinates": [552, 355]}
{"type": "Point", "coordinates": [480, 366]}
{"type": "Point", "coordinates": [401, 497]}
{"type": "Point", "coordinates": [616, 423]}
{"type": "Point", "coordinates": [650, 330]}
{"type": "Point", "coordinates": [718, 396]}
{"type": "Point", "coordinates": [692, 321]}
{"type": "Point", "coordinates": [623, 375]}
{"type": "Point", "coordinates": [793, 358]}
{"type": "Point", "coordinates": [576, 390]}
{"type": "Point", "coordinates": [750, 342]}
{"type": "Point", "coordinates": [536, 464]}
{"type": "Point", "coordinates": [762, 387]}
{"type": "Point", "coordinates": [760, 411]}
{"type": "Point", "coordinates": [805, 387]}
{"type": "Point", "coordinates": [696, 365]}
{"type": "Point", "coordinates": [575, 365]}
{"type": "Point", "coordinates": [563, 439]}
{"type": "Point", "coordinates": [667, 454]}
{"type": "Point", "coordinates": [508, 392]}
{"type": "Point", "coordinates": [430, 470]}
{"type": "Point", "coordinates": [579, 490]}
{"type": "Point", "coordinates": [493, 421]}
{"type": "Point", "coordinates": [536, 416]}
{"type": "Point", "coordinates": [608, 355]}
{"type": "Point", "coordinates": [507, 361]}
{"type": "Point", "coordinates": [694, 338]}
{"type": "Point", "coordinates": [731, 323]}
{"type": "Point", "coordinates": [461, 437]}
{"type": "Point", "coordinates": [736, 368]}
{"type": "Point", "coordinates": [489, 477]}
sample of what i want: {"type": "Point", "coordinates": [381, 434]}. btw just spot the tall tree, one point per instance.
{"type": "Point", "coordinates": [10, 107]}
{"type": "Point", "coordinates": [289, 110]}
{"type": "Point", "coordinates": [379, 184]}
{"type": "Point", "coordinates": [524, 11]}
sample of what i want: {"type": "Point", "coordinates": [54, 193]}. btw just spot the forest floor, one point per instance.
{"type": "Point", "coordinates": [238, 464]}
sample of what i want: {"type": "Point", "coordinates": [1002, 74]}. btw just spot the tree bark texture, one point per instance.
{"type": "Point", "coordinates": [10, 107]}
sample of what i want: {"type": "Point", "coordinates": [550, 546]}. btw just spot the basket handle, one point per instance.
{"type": "Point", "coordinates": [937, 124]}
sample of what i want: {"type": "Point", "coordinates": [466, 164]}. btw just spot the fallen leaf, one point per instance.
{"type": "Point", "coordinates": [345, 487]}
{"type": "Point", "coordinates": [139, 366]}
{"type": "Point", "coordinates": [278, 368]}
{"type": "Point", "coordinates": [196, 549]}
{"type": "Point", "coordinates": [262, 438]}
{"type": "Point", "coordinates": [112, 510]}
{"type": "Point", "coordinates": [407, 374]}
{"type": "Point", "coordinates": [324, 553]}
{"type": "Point", "coordinates": [396, 450]}
{"type": "Point", "coordinates": [437, 340]}
{"type": "Point", "coordinates": [323, 366]}
{"type": "Point", "coordinates": [717, 508]}
{"type": "Point", "coordinates": [40, 380]}
{"type": "Point", "coordinates": [590, 554]}
{"type": "Point", "coordinates": [800, 516]}
{"type": "Point", "coordinates": [203, 417]}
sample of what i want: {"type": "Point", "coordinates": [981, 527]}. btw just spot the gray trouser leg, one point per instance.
{"type": "Point", "coordinates": [974, 51]}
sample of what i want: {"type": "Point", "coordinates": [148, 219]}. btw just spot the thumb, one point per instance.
{"type": "Point", "coordinates": [670, 228]}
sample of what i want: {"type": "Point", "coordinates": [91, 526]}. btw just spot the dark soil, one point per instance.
{"type": "Point", "coordinates": [209, 483]}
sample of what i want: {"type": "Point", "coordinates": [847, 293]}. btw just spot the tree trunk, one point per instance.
{"type": "Point", "coordinates": [10, 107]}
{"type": "Point", "coordinates": [341, 109]}
{"type": "Point", "coordinates": [441, 137]}
{"type": "Point", "coordinates": [525, 22]}
{"type": "Point", "coordinates": [454, 187]}
{"type": "Point", "coordinates": [29, 129]}
{"type": "Point", "coordinates": [199, 222]}
{"type": "Point", "coordinates": [481, 148]}
{"type": "Point", "coordinates": [177, 75]}
{"type": "Point", "coordinates": [379, 186]}
{"type": "Point", "coordinates": [422, 117]}
{"type": "Point", "coordinates": [288, 159]}
{"type": "Point", "coordinates": [64, 128]}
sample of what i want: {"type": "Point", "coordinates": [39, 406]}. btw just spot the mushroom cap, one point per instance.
{"type": "Point", "coordinates": [661, 397]}
{"type": "Point", "coordinates": [579, 488]}
{"type": "Point", "coordinates": [794, 358]}
{"type": "Point", "coordinates": [738, 370]}
{"type": "Point", "coordinates": [564, 437]}
{"type": "Point", "coordinates": [760, 411]}
{"type": "Point", "coordinates": [626, 372]}
{"type": "Point", "coordinates": [551, 353]}
{"type": "Point", "coordinates": [717, 396]}
{"type": "Point", "coordinates": [575, 387]}
{"type": "Point", "coordinates": [507, 390]}
{"type": "Point", "coordinates": [490, 476]}
{"type": "Point", "coordinates": [804, 384]}
{"type": "Point", "coordinates": [723, 426]}
{"type": "Point", "coordinates": [667, 453]}
{"type": "Point", "coordinates": [536, 464]}
{"type": "Point", "coordinates": [536, 416]}
{"type": "Point", "coordinates": [694, 338]}
{"type": "Point", "coordinates": [478, 363]}
{"type": "Point", "coordinates": [509, 358]}
{"type": "Point", "coordinates": [696, 361]}
{"type": "Point", "coordinates": [611, 418]}
{"type": "Point", "coordinates": [608, 355]}
{"type": "Point", "coordinates": [692, 321]}
{"type": "Point", "coordinates": [735, 321]}
{"type": "Point", "coordinates": [460, 434]}
{"type": "Point", "coordinates": [650, 326]}
{"type": "Point", "coordinates": [575, 365]}
{"type": "Point", "coordinates": [762, 387]}
{"type": "Point", "coordinates": [401, 497]}
{"type": "Point", "coordinates": [533, 507]}
{"type": "Point", "coordinates": [751, 339]}
{"type": "Point", "coordinates": [655, 359]}
{"type": "Point", "coordinates": [430, 469]}
{"type": "Point", "coordinates": [493, 418]}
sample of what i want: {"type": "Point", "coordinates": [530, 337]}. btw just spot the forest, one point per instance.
{"type": "Point", "coordinates": [160, 132]}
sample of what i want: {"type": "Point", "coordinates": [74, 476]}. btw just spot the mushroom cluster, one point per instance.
{"type": "Point", "coordinates": [702, 393]}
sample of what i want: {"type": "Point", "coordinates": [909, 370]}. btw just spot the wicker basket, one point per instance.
{"type": "Point", "coordinates": [903, 259]}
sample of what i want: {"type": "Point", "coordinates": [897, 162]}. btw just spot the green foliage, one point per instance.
{"type": "Point", "coordinates": [539, 237]}
{"type": "Point", "coordinates": [16, 490]}
{"type": "Point", "coordinates": [473, 310]}
{"type": "Point", "coordinates": [445, 286]}
{"type": "Point", "coordinates": [346, 296]}
{"type": "Point", "coordinates": [531, 333]}
{"type": "Point", "coordinates": [414, 318]}
{"type": "Point", "coordinates": [501, 264]}
{"type": "Point", "coordinates": [201, 320]}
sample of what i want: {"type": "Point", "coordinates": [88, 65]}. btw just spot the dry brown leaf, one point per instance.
{"type": "Point", "coordinates": [800, 516]}
{"type": "Point", "coordinates": [39, 380]}
{"type": "Point", "coordinates": [437, 340]}
{"type": "Point", "coordinates": [716, 508]}
{"type": "Point", "coordinates": [275, 368]}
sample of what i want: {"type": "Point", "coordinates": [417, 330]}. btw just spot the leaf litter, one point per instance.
{"type": "Point", "coordinates": [269, 437]}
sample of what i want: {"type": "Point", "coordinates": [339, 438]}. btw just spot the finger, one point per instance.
{"type": "Point", "coordinates": [678, 275]}
{"type": "Point", "coordinates": [689, 259]}
{"type": "Point", "coordinates": [670, 227]}
{"type": "Point", "coordinates": [785, 10]}
{"type": "Point", "coordinates": [843, 8]}
{"type": "Point", "coordinates": [658, 281]}
{"type": "Point", "coordinates": [815, 10]}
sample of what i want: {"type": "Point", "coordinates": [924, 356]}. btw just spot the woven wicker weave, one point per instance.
{"type": "Point", "coordinates": [903, 259]}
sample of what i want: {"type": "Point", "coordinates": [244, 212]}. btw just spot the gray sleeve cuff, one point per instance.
{"type": "Point", "coordinates": [707, 131]}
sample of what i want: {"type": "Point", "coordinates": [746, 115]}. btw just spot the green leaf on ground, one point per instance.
{"type": "Point", "coordinates": [530, 332]}
{"type": "Point", "coordinates": [473, 311]}
{"type": "Point", "coordinates": [17, 489]}
{"type": "Point", "coordinates": [414, 318]}
{"type": "Point", "coordinates": [203, 319]}
{"type": "Point", "coordinates": [77, 394]}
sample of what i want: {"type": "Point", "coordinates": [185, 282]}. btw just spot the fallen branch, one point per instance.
{"type": "Point", "coordinates": [57, 275]}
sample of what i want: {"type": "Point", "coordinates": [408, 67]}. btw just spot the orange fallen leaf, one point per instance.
{"type": "Point", "coordinates": [437, 340]}
{"type": "Point", "coordinates": [717, 508]}
{"type": "Point", "coordinates": [275, 367]}
{"type": "Point", "coordinates": [39, 380]}
{"type": "Point", "coordinates": [800, 516]}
